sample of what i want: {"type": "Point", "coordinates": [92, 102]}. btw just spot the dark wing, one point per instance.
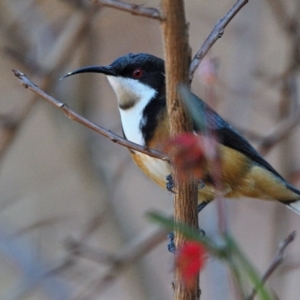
{"type": "Point", "coordinates": [205, 119]}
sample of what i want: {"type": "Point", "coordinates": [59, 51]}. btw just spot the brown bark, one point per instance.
{"type": "Point", "coordinates": [176, 48]}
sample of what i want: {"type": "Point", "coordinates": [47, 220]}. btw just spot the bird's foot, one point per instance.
{"type": "Point", "coordinates": [171, 236]}
{"type": "Point", "coordinates": [201, 184]}
{"type": "Point", "coordinates": [171, 246]}
{"type": "Point", "coordinates": [170, 185]}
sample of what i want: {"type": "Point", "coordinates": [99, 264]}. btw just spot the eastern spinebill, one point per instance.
{"type": "Point", "coordinates": [138, 81]}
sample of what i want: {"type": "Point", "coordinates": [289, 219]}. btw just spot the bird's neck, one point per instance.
{"type": "Point", "coordinates": [141, 121]}
{"type": "Point", "coordinates": [140, 108]}
{"type": "Point", "coordinates": [132, 118]}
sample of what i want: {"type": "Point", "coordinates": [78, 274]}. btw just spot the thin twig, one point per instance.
{"type": "Point", "coordinates": [76, 117]}
{"type": "Point", "coordinates": [216, 33]}
{"type": "Point", "coordinates": [275, 263]}
{"type": "Point", "coordinates": [136, 249]}
{"type": "Point", "coordinates": [59, 55]}
{"type": "Point", "coordinates": [134, 9]}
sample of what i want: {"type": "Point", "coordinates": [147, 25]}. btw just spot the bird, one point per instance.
{"type": "Point", "coordinates": [138, 81]}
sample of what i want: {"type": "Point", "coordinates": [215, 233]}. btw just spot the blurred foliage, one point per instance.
{"type": "Point", "coordinates": [226, 250]}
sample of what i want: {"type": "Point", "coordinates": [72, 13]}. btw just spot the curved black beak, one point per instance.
{"type": "Point", "coordinates": [107, 70]}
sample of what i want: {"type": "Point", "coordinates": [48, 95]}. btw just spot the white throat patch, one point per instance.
{"type": "Point", "coordinates": [136, 95]}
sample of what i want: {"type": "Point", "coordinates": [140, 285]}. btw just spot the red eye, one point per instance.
{"type": "Point", "coordinates": [137, 73]}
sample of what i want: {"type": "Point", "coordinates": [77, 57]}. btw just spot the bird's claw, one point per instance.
{"type": "Point", "coordinates": [171, 236]}
{"type": "Point", "coordinates": [171, 246]}
{"type": "Point", "coordinates": [170, 184]}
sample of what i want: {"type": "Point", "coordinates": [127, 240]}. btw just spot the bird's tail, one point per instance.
{"type": "Point", "coordinates": [295, 206]}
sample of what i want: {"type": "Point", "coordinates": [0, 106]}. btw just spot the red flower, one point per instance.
{"type": "Point", "coordinates": [190, 261]}
{"type": "Point", "coordinates": [188, 155]}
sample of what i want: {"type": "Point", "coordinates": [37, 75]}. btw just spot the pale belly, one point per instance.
{"type": "Point", "coordinates": [154, 168]}
{"type": "Point", "coordinates": [158, 170]}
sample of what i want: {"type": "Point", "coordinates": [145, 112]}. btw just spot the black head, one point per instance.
{"type": "Point", "coordinates": [146, 68]}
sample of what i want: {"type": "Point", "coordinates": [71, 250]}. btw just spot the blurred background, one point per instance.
{"type": "Point", "coordinates": [73, 203]}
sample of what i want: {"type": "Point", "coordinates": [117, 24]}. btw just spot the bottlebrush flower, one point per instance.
{"type": "Point", "coordinates": [190, 261]}
{"type": "Point", "coordinates": [188, 156]}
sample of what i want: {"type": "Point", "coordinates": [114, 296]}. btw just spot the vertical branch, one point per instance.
{"type": "Point", "coordinates": [177, 58]}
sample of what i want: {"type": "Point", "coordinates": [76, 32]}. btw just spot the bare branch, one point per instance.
{"type": "Point", "coordinates": [124, 258]}
{"type": "Point", "coordinates": [276, 261]}
{"type": "Point", "coordinates": [76, 117]}
{"type": "Point", "coordinates": [216, 33]}
{"type": "Point", "coordinates": [59, 55]}
{"type": "Point", "coordinates": [134, 9]}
